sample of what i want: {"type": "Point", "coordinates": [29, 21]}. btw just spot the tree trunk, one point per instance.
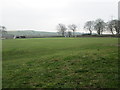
{"type": "Point", "coordinates": [112, 31]}
{"type": "Point", "coordinates": [117, 31]}
{"type": "Point", "coordinates": [73, 33]}
{"type": "Point", "coordinates": [99, 31]}
{"type": "Point", "coordinates": [63, 34]}
{"type": "Point", "coordinates": [90, 32]}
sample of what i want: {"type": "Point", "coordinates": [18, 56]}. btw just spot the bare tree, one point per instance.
{"type": "Point", "coordinates": [73, 28]}
{"type": "Point", "coordinates": [89, 25]}
{"type": "Point", "coordinates": [3, 30]}
{"type": "Point", "coordinates": [116, 26]}
{"type": "Point", "coordinates": [61, 29]}
{"type": "Point", "coordinates": [99, 26]}
{"type": "Point", "coordinates": [110, 27]}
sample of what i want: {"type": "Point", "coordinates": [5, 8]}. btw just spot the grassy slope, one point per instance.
{"type": "Point", "coordinates": [60, 62]}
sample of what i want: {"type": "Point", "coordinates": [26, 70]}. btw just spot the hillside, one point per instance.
{"type": "Point", "coordinates": [32, 33]}
{"type": "Point", "coordinates": [35, 33]}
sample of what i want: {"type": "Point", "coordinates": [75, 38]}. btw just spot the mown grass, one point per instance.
{"type": "Point", "coordinates": [60, 63]}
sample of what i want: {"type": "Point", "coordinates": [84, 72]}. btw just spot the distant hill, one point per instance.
{"type": "Point", "coordinates": [32, 33]}
{"type": "Point", "coordinates": [35, 33]}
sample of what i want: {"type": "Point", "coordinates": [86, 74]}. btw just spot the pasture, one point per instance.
{"type": "Point", "coordinates": [60, 63]}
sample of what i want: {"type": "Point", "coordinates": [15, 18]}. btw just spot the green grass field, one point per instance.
{"type": "Point", "coordinates": [60, 63]}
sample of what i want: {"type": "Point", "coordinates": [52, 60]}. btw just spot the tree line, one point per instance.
{"type": "Point", "coordinates": [99, 25]}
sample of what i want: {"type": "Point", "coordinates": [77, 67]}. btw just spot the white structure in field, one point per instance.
{"type": "Point", "coordinates": [119, 10]}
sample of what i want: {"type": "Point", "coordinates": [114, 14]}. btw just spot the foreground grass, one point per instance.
{"type": "Point", "coordinates": [60, 63]}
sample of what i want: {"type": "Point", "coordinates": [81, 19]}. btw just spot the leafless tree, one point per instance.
{"type": "Point", "coordinates": [61, 29]}
{"type": "Point", "coordinates": [3, 30]}
{"type": "Point", "coordinates": [110, 27]}
{"type": "Point", "coordinates": [99, 26]}
{"type": "Point", "coordinates": [116, 26]}
{"type": "Point", "coordinates": [73, 28]}
{"type": "Point", "coordinates": [89, 25]}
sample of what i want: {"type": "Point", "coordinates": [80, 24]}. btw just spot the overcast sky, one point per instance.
{"type": "Point", "coordinates": [44, 15]}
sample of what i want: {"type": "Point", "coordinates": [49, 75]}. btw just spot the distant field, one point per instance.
{"type": "Point", "coordinates": [60, 63]}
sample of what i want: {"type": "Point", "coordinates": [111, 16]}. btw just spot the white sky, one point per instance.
{"type": "Point", "coordinates": [44, 15]}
